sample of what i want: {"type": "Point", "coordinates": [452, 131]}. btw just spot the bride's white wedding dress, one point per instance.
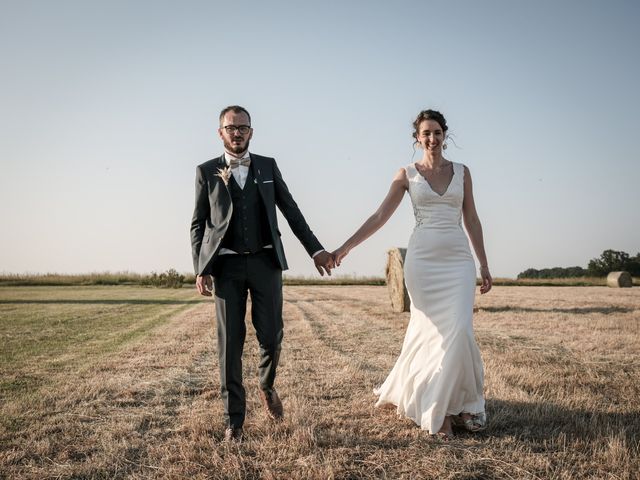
{"type": "Point", "coordinates": [439, 371]}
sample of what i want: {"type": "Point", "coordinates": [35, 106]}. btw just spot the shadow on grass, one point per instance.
{"type": "Point", "coordinates": [542, 422]}
{"type": "Point", "coordinates": [130, 301]}
{"type": "Point", "coordinates": [543, 427]}
{"type": "Point", "coordinates": [577, 310]}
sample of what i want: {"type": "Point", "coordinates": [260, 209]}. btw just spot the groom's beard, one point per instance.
{"type": "Point", "coordinates": [238, 148]}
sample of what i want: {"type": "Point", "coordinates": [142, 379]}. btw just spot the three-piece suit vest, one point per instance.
{"type": "Point", "coordinates": [248, 230]}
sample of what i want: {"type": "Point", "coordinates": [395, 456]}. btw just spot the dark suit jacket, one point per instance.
{"type": "Point", "coordinates": [213, 209]}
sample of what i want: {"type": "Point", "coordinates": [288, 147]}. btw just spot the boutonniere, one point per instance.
{"type": "Point", "coordinates": [224, 174]}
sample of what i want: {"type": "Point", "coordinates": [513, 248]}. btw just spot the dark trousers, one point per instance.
{"type": "Point", "coordinates": [234, 277]}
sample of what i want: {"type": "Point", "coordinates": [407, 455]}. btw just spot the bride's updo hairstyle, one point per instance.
{"type": "Point", "coordinates": [429, 115]}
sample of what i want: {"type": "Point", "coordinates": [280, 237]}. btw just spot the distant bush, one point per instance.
{"type": "Point", "coordinates": [556, 272]}
{"type": "Point", "coordinates": [169, 279]}
{"type": "Point", "coordinates": [609, 261]}
{"type": "Point", "coordinates": [333, 280]}
{"type": "Point", "coordinates": [614, 261]}
{"type": "Point", "coordinates": [553, 282]}
{"type": "Point", "coordinates": [59, 279]}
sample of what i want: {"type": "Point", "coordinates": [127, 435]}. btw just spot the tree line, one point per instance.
{"type": "Point", "coordinates": [609, 261]}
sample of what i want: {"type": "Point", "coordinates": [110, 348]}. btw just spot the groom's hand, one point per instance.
{"type": "Point", "coordinates": [204, 284]}
{"type": "Point", "coordinates": [324, 260]}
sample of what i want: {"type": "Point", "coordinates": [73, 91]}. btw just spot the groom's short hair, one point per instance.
{"type": "Point", "coordinates": [234, 109]}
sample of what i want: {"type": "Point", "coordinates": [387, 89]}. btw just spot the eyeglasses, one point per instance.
{"type": "Point", "coordinates": [243, 129]}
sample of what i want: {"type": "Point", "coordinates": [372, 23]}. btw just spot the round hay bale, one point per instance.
{"type": "Point", "coordinates": [395, 280]}
{"type": "Point", "coordinates": [619, 280]}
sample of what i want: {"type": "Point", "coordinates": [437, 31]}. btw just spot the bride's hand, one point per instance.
{"type": "Point", "coordinates": [487, 281]}
{"type": "Point", "coordinates": [339, 254]}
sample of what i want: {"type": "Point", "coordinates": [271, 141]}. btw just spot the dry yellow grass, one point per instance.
{"type": "Point", "coordinates": [562, 369]}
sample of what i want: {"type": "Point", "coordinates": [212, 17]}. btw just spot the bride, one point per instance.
{"type": "Point", "coordinates": [438, 378]}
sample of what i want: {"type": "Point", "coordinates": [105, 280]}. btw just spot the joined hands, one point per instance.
{"type": "Point", "coordinates": [326, 261]}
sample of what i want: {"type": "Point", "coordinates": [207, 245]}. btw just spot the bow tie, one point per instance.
{"type": "Point", "coordinates": [236, 162]}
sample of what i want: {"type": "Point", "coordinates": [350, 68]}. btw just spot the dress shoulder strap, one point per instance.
{"type": "Point", "coordinates": [458, 169]}
{"type": "Point", "coordinates": [411, 170]}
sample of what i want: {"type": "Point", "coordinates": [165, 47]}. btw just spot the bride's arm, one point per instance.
{"type": "Point", "coordinates": [474, 229]}
{"type": "Point", "coordinates": [399, 185]}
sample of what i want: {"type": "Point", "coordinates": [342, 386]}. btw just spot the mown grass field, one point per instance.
{"type": "Point", "coordinates": [122, 382]}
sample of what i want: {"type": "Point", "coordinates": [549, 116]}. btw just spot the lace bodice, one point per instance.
{"type": "Point", "coordinates": [431, 209]}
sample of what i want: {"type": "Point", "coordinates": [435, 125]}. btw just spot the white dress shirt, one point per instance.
{"type": "Point", "coordinates": [241, 172]}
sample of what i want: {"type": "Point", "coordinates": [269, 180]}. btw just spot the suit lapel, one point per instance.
{"type": "Point", "coordinates": [221, 162]}
{"type": "Point", "coordinates": [224, 196]}
{"type": "Point", "coordinates": [257, 173]}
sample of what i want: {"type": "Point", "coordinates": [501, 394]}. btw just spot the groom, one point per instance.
{"type": "Point", "coordinates": [236, 246]}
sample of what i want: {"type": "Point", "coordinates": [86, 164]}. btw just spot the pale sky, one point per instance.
{"type": "Point", "coordinates": [106, 108]}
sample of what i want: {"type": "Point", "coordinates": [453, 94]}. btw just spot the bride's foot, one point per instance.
{"type": "Point", "coordinates": [471, 422]}
{"type": "Point", "coordinates": [446, 432]}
